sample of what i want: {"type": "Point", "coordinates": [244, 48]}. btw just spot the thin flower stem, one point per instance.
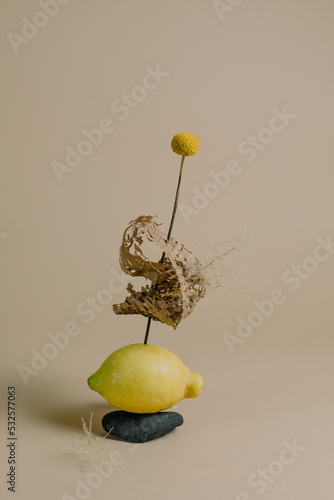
{"type": "Point", "coordinates": [168, 238]}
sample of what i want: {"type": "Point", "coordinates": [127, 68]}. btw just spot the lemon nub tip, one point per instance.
{"type": "Point", "coordinates": [92, 382]}
{"type": "Point", "coordinates": [195, 386]}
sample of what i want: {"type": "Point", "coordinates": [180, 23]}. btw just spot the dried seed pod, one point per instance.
{"type": "Point", "coordinates": [177, 284]}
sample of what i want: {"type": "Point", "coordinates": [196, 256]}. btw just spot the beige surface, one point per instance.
{"type": "Point", "coordinates": [228, 77]}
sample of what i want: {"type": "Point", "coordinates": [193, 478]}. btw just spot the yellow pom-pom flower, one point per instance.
{"type": "Point", "coordinates": [185, 144]}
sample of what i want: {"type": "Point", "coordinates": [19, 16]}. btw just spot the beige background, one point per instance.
{"type": "Point", "coordinates": [59, 240]}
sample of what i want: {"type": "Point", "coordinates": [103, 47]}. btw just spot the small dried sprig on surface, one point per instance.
{"type": "Point", "coordinates": [87, 448]}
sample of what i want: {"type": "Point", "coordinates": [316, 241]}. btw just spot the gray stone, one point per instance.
{"type": "Point", "coordinates": [140, 427]}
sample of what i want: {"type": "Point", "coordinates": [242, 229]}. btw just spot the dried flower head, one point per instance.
{"type": "Point", "coordinates": [185, 144]}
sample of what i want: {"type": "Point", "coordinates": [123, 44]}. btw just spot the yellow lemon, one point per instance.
{"type": "Point", "coordinates": [144, 378]}
{"type": "Point", "coordinates": [185, 144]}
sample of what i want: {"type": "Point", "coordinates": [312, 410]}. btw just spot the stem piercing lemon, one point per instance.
{"type": "Point", "coordinates": [144, 378]}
